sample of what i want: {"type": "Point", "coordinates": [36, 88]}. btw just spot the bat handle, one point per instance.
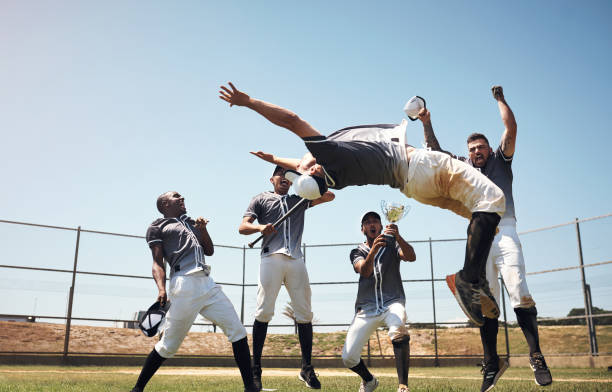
{"type": "Point", "coordinates": [252, 244]}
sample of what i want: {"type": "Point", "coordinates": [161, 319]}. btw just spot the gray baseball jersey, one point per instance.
{"type": "Point", "coordinates": [178, 238]}
{"type": "Point", "coordinates": [268, 207]}
{"type": "Point", "coordinates": [362, 155]}
{"type": "Point", "coordinates": [499, 170]}
{"type": "Point", "coordinates": [382, 288]}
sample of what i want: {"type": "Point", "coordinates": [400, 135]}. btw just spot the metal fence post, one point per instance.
{"type": "Point", "coordinates": [503, 295]}
{"type": "Point", "coordinates": [295, 326]}
{"type": "Point", "coordinates": [71, 295]}
{"type": "Point", "coordinates": [433, 301]}
{"type": "Point", "coordinates": [587, 309]}
{"type": "Point", "coordinates": [243, 274]}
{"type": "Point", "coordinates": [594, 336]}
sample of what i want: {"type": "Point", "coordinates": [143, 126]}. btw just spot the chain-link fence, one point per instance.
{"type": "Point", "coordinates": [63, 278]}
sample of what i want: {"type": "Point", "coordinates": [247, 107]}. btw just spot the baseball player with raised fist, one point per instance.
{"type": "Point", "coordinates": [380, 299]}
{"type": "Point", "coordinates": [506, 256]}
{"type": "Point", "coordinates": [182, 243]}
{"type": "Point", "coordinates": [282, 262]}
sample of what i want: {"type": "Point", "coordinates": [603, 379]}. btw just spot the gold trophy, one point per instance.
{"type": "Point", "coordinates": [393, 212]}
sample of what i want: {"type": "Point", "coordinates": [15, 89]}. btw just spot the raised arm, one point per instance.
{"type": "Point", "coordinates": [365, 267]}
{"type": "Point", "coordinates": [275, 114]}
{"type": "Point", "coordinates": [286, 163]}
{"type": "Point", "coordinates": [406, 252]}
{"type": "Point", "coordinates": [508, 140]}
{"type": "Point", "coordinates": [430, 136]}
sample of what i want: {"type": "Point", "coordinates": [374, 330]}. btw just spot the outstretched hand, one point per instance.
{"type": "Point", "coordinates": [233, 96]}
{"type": "Point", "coordinates": [263, 155]}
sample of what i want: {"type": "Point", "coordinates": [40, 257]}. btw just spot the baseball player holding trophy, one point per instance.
{"type": "Point", "coordinates": [380, 296]}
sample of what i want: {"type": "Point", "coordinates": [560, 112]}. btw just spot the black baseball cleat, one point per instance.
{"type": "Point", "coordinates": [491, 372]}
{"type": "Point", "coordinates": [468, 296]}
{"type": "Point", "coordinates": [257, 376]}
{"type": "Point", "coordinates": [489, 306]}
{"type": "Point", "coordinates": [540, 370]}
{"type": "Point", "coordinates": [136, 389]}
{"type": "Point", "coordinates": [309, 377]}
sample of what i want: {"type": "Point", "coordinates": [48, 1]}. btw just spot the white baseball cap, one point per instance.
{"type": "Point", "coordinates": [308, 187]}
{"type": "Point", "coordinates": [413, 106]}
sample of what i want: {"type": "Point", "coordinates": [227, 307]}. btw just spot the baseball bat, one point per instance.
{"type": "Point", "coordinates": [280, 220]}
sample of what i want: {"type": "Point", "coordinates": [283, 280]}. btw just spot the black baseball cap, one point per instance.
{"type": "Point", "coordinates": [367, 214]}
{"type": "Point", "coordinates": [278, 169]}
{"type": "Point", "coordinates": [152, 320]}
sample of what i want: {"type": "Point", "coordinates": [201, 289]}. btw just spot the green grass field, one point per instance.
{"type": "Point", "coordinates": [171, 379]}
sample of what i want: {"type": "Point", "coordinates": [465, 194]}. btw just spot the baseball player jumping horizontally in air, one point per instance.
{"type": "Point", "coordinates": [378, 154]}
{"type": "Point", "coordinates": [182, 243]}
{"type": "Point", "coordinates": [282, 262]}
{"type": "Point", "coordinates": [506, 256]}
{"type": "Point", "coordinates": [380, 299]}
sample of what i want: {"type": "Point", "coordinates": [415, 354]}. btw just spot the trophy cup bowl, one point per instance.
{"type": "Point", "coordinates": [393, 212]}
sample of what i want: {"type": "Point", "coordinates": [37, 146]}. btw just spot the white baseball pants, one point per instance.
{"type": "Point", "coordinates": [363, 326]}
{"type": "Point", "coordinates": [506, 257]}
{"type": "Point", "coordinates": [190, 295]}
{"type": "Point", "coordinates": [274, 270]}
{"type": "Point", "coordinates": [436, 179]}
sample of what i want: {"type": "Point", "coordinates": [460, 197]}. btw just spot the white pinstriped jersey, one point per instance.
{"type": "Point", "coordinates": [382, 288]}
{"type": "Point", "coordinates": [178, 238]}
{"type": "Point", "coordinates": [268, 207]}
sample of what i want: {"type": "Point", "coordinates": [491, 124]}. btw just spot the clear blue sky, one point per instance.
{"type": "Point", "coordinates": [103, 106]}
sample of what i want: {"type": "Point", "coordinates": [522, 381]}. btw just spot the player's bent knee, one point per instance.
{"type": "Point", "coordinates": [399, 333]}
{"type": "Point", "coordinates": [531, 310]}
{"type": "Point", "coordinates": [264, 317]}
{"type": "Point", "coordinates": [235, 333]}
{"type": "Point", "coordinates": [350, 362]}
{"type": "Point", "coordinates": [166, 350]}
{"type": "Point", "coordinates": [303, 319]}
{"type": "Point", "coordinates": [400, 340]}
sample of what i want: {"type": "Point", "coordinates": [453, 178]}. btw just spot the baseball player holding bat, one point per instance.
{"type": "Point", "coordinates": [506, 256]}
{"type": "Point", "coordinates": [380, 299]}
{"type": "Point", "coordinates": [379, 155]}
{"type": "Point", "coordinates": [282, 262]}
{"type": "Point", "coordinates": [183, 242]}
